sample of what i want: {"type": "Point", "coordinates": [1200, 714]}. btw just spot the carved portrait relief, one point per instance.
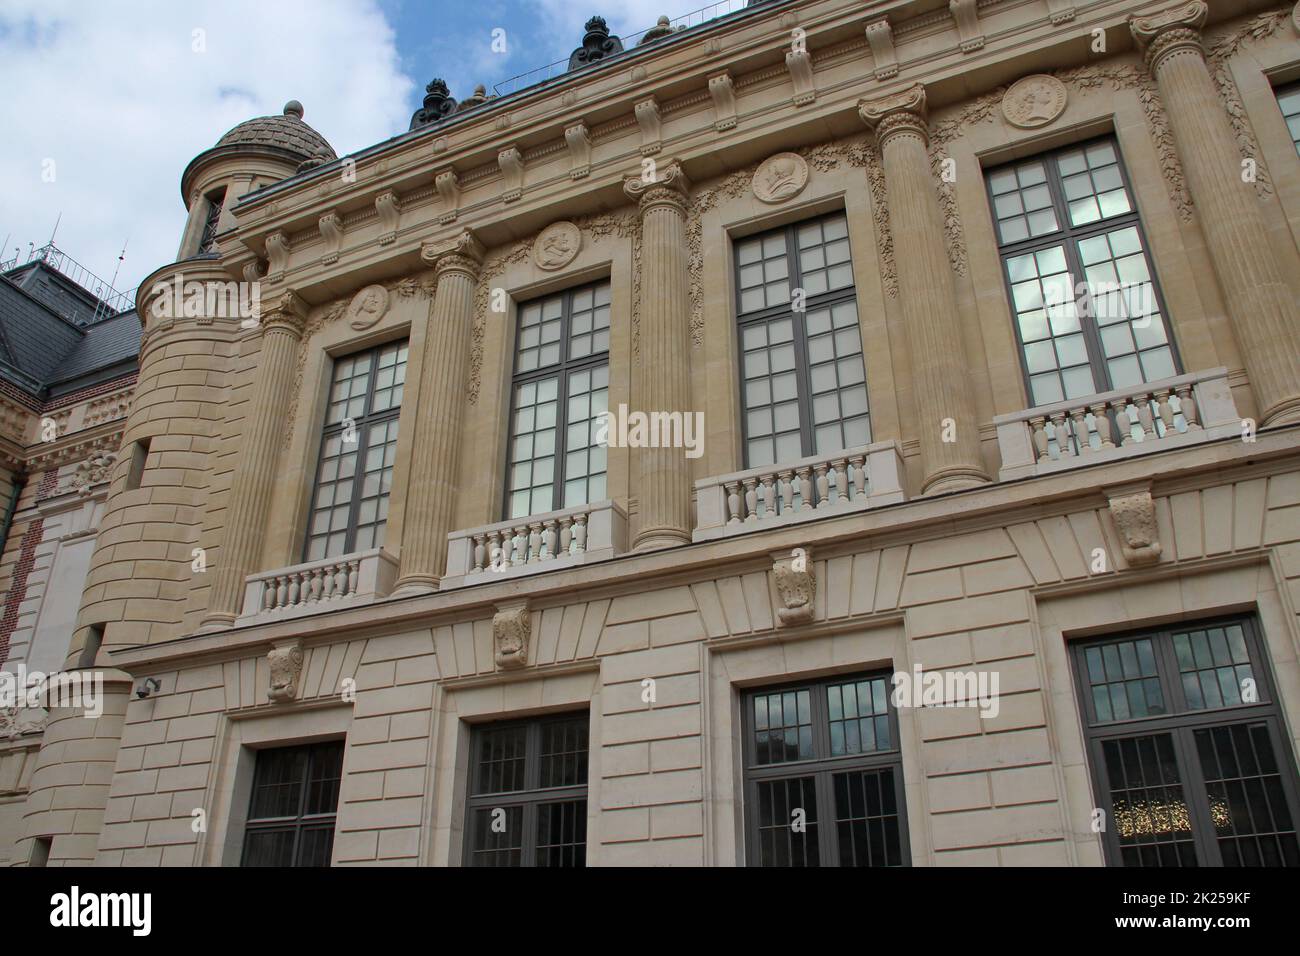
{"type": "Point", "coordinates": [367, 307]}
{"type": "Point", "coordinates": [780, 177]}
{"type": "Point", "coordinates": [1034, 101]}
{"type": "Point", "coordinates": [557, 245]}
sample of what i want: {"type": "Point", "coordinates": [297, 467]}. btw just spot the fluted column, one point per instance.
{"type": "Point", "coordinates": [950, 449]}
{"type": "Point", "coordinates": [435, 445]}
{"type": "Point", "coordinates": [1259, 302]}
{"type": "Point", "coordinates": [664, 487]}
{"type": "Point", "coordinates": [250, 491]}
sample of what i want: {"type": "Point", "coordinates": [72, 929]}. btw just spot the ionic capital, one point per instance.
{"type": "Point", "coordinates": [287, 313]}
{"type": "Point", "coordinates": [462, 256]}
{"type": "Point", "coordinates": [1174, 31]}
{"type": "Point", "coordinates": [670, 188]}
{"type": "Point", "coordinates": [897, 114]}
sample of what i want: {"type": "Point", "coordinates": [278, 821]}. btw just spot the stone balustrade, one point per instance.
{"type": "Point", "coordinates": [850, 480]}
{"type": "Point", "coordinates": [318, 586]}
{"type": "Point", "coordinates": [1185, 409]}
{"type": "Point", "coordinates": [572, 536]}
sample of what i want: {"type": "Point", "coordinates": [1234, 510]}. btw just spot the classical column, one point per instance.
{"type": "Point", "coordinates": [664, 488]}
{"type": "Point", "coordinates": [950, 448]}
{"type": "Point", "coordinates": [259, 446]}
{"type": "Point", "coordinates": [435, 444]}
{"type": "Point", "coordinates": [1258, 300]}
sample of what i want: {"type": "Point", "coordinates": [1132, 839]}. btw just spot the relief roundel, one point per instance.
{"type": "Point", "coordinates": [557, 245]}
{"type": "Point", "coordinates": [367, 307]}
{"type": "Point", "coordinates": [1034, 101]}
{"type": "Point", "coordinates": [780, 177]}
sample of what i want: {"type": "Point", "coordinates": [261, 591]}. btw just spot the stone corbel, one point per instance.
{"type": "Point", "coordinates": [277, 253]}
{"type": "Point", "coordinates": [579, 143]}
{"type": "Point", "coordinates": [1134, 513]}
{"type": "Point", "coordinates": [799, 63]}
{"type": "Point", "coordinates": [511, 628]}
{"type": "Point", "coordinates": [647, 117]}
{"type": "Point", "coordinates": [966, 13]}
{"type": "Point", "coordinates": [880, 36]}
{"type": "Point", "coordinates": [796, 585]}
{"type": "Point", "coordinates": [285, 661]}
{"type": "Point", "coordinates": [723, 91]}
{"type": "Point", "coordinates": [1060, 11]}
{"type": "Point", "coordinates": [389, 206]}
{"type": "Point", "coordinates": [331, 230]}
{"type": "Point", "coordinates": [254, 269]}
{"type": "Point", "coordinates": [511, 162]}
{"type": "Point", "coordinates": [449, 192]}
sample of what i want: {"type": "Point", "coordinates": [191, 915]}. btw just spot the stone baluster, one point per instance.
{"type": "Point", "coordinates": [1122, 420]}
{"type": "Point", "coordinates": [1165, 410]}
{"type": "Point", "coordinates": [580, 533]}
{"type": "Point", "coordinates": [859, 463]}
{"type": "Point", "coordinates": [787, 491]}
{"type": "Point", "coordinates": [805, 488]}
{"type": "Point", "coordinates": [751, 499]}
{"type": "Point", "coordinates": [1187, 405]}
{"type": "Point", "coordinates": [823, 485]}
{"type": "Point", "coordinates": [1079, 425]}
{"type": "Point", "coordinates": [1101, 422]}
{"type": "Point", "coordinates": [927, 294]}
{"type": "Point", "coordinates": [1064, 447]}
{"type": "Point", "coordinates": [733, 502]}
{"type": "Point", "coordinates": [1260, 305]}
{"type": "Point", "coordinates": [769, 496]}
{"type": "Point", "coordinates": [435, 444]}
{"type": "Point", "coordinates": [1038, 436]}
{"type": "Point", "coordinates": [840, 465]}
{"type": "Point", "coordinates": [1143, 405]}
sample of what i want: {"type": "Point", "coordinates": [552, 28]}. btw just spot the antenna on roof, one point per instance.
{"type": "Point", "coordinates": [121, 256]}
{"type": "Point", "coordinates": [56, 227]}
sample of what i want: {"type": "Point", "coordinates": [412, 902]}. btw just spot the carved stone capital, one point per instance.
{"type": "Point", "coordinates": [287, 313]}
{"type": "Point", "coordinates": [286, 667]}
{"type": "Point", "coordinates": [1175, 31]}
{"type": "Point", "coordinates": [511, 628]}
{"type": "Point", "coordinates": [669, 188]}
{"type": "Point", "coordinates": [796, 585]}
{"type": "Point", "coordinates": [1134, 513]}
{"type": "Point", "coordinates": [463, 255]}
{"type": "Point", "coordinates": [902, 113]}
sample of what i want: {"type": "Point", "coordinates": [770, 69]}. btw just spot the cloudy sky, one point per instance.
{"type": "Point", "coordinates": [103, 102]}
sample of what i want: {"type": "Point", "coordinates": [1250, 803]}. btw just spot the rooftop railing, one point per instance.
{"type": "Point", "coordinates": [110, 302]}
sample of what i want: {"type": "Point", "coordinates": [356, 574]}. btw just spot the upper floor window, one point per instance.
{"type": "Point", "coordinates": [1288, 98]}
{"type": "Point", "coordinates": [528, 793]}
{"type": "Point", "coordinates": [561, 387]}
{"type": "Point", "coordinates": [803, 382]}
{"type": "Point", "coordinates": [824, 775]}
{"type": "Point", "coordinates": [294, 803]}
{"type": "Point", "coordinates": [1188, 753]}
{"type": "Point", "coordinates": [208, 241]}
{"type": "Point", "coordinates": [359, 444]}
{"type": "Point", "coordinates": [1089, 317]}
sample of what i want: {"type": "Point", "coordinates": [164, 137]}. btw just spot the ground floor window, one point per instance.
{"type": "Point", "coordinates": [824, 775]}
{"type": "Point", "coordinates": [294, 803]}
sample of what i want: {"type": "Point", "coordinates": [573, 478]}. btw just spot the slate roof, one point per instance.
{"type": "Point", "coordinates": [287, 132]}
{"type": "Point", "coordinates": [45, 348]}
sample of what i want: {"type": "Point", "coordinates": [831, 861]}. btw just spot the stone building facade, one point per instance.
{"type": "Point", "coordinates": [958, 342]}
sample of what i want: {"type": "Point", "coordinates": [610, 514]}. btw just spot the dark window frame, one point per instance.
{"type": "Point", "coordinates": [803, 373]}
{"type": "Point", "coordinates": [216, 201]}
{"type": "Point", "coordinates": [1180, 723]}
{"type": "Point", "coordinates": [1286, 90]}
{"type": "Point", "coordinates": [822, 766]}
{"type": "Point", "coordinates": [363, 424]}
{"type": "Point", "coordinates": [561, 371]}
{"type": "Point", "coordinates": [1068, 237]}
{"type": "Point", "coordinates": [301, 821]}
{"type": "Point", "coordinates": [532, 795]}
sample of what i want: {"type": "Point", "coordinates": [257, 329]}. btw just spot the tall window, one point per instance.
{"type": "Point", "coordinates": [1288, 99]}
{"type": "Point", "coordinates": [561, 386]}
{"type": "Point", "coordinates": [1188, 755]}
{"type": "Point", "coordinates": [295, 800]}
{"type": "Point", "coordinates": [208, 241]}
{"type": "Point", "coordinates": [528, 793]}
{"type": "Point", "coordinates": [824, 775]}
{"type": "Point", "coordinates": [358, 447]}
{"type": "Point", "coordinates": [1088, 314]}
{"type": "Point", "coordinates": [803, 383]}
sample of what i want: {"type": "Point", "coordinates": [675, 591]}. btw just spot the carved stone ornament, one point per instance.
{"type": "Point", "coordinates": [796, 584]}
{"type": "Point", "coordinates": [780, 177]}
{"type": "Point", "coordinates": [511, 629]}
{"type": "Point", "coordinates": [1135, 519]}
{"type": "Point", "coordinates": [367, 307]}
{"type": "Point", "coordinates": [557, 245]}
{"type": "Point", "coordinates": [95, 470]}
{"type": "Point", "coordinates": [1034, 101]}
{"type": "Point", "coordinates": [15, 722]}
{"type": "Point", "coordinates": [286, 668]}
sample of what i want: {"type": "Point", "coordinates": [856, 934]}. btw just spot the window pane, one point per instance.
{"type": "Point", "coordinates": [1149, 812]}
{"type": "Point", "coordinates": [859, 719]}
{"type": "Point", "coordinates": [498, 836]}
{"type": "Point", "coordinates": [866, 818]}
{"type": "Point", "coordinates": [501, 759]}
{"type": "Point", "coordinates": [1248, 804]}
{"type": "Point", "coordinates": [1214, 667]}
{"type": "Point", "coordinates": [787, 823]}
{"type": "Point", "coordinates": [783, 726]}
{"type": "Point", "coordinates": [298, 788]}
{"type": "Point", "coordinates": [562, 833]}
{"type": "Point", "coordinates": [1123, 680]}
{"type": "Point", "coordinates": [564, 753]}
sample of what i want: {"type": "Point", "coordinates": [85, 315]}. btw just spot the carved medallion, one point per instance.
{"type": "Point", "coordinates": [511, 628]}
{"type": "Point", "coordinates": [367, 307]}
{"type": "Point", "coordinates": [1034, 101]}
{"type": "Point", "coordinates": [557, 245]}
{"type": "Point", "coordinates": [286, 667]}
{"type": "Point", "coordinates": [780, 177]}
{"type": "Point", "coordinates": [796, 584]}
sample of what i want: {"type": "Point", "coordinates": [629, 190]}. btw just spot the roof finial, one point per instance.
{"type": "Point", "coordinates": [293, 108]}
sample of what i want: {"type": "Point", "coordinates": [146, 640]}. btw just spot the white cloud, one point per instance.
{"type": "Point", "coordinates": [117, 98]}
